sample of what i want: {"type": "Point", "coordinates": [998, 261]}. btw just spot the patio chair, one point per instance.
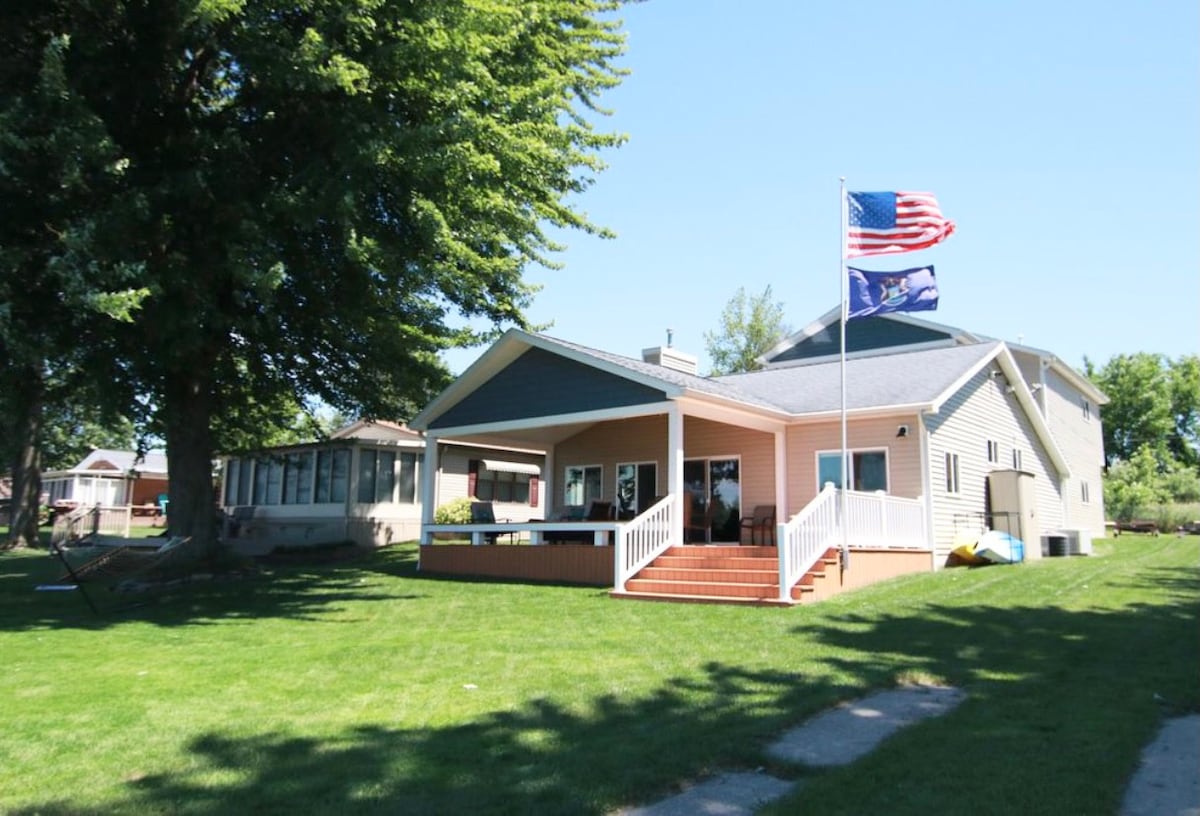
{"type": "Point", "coordinates": [761, 522]}
{"type": "Point", "coordinates": [600, 511]}
{"type": "Point", "coordinates": [482, 512]}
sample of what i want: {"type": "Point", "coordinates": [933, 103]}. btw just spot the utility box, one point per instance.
{"type": "Point", "coordinates": [1012, 508]}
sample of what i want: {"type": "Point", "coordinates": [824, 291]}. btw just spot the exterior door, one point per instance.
{"type": "Point", "coordinates": [713, 486]}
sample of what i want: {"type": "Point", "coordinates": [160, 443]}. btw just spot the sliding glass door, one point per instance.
{"type": "Point", "coordinates": [713, 487]}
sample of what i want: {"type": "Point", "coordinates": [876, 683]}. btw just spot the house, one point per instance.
{"type": "Point", "coordinates": [360, 485]}
{"type": "Point", "coordinates": [109, 478]}
{"type": "Point", "coordinates": [947, 433]}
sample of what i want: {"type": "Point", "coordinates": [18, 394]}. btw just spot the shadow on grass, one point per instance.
{"type": "Point", "coordinates": [296, 591]}
{"type": "Point", "coordinates": [1059, 703]}
{"type": "Point", "coordinates": [541, 759]}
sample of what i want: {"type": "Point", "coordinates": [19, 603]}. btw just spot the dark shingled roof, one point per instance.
{"type": "Point", "coordinates": [903, 378]}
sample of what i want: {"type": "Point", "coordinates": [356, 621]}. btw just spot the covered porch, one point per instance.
{"type": "Point", "coordinates": [680, 461]}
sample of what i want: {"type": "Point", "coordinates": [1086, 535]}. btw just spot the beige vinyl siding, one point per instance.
{"type": "Point", "coordinates": [875, 433]}
{"type": "Point", "coordinates": [644, 439]}
{"type": "Point", "coordinates": [979, 412]}
{"type": "Point", "coordinates": [1081, 441]}
{"type": "Point", "coordinates": [454, 481]}
{"type": "Point", "coordinates": [704, 439]}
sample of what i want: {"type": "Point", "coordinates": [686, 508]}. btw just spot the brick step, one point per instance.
{"type": "Point", "coordinates": [667, 572]}
{"type": "Point", "coordinates": [708, 599]}
{"type": "Point", "coordinates": [723, 550]}
{"type": "Point", "coordinates": [719, 562]}
{"type": "Point", "coordinates": [728, 589]}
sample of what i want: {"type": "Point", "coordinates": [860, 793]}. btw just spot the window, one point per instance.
{"type": "Point", "coordinates": [407, 481]}
{"type": "Point", "coordinates": [993, 451]}
{"type": "Point", "coordinates": [1084, 493]}
{"type": "Point", "coordinates": [231, 482]}
{"type": "Point", "coordinates": [1016, 459]}
{"type": "Point", "coordinates": [637, 485]}
{"type": "Point", "coordinates": [376, 476]}
{"type": "Point", "coordinates": [582, 485]}
{"type": "Point", "coordinates": [333, 476]}
{"type": "Point", "coordinates": [268, 481]}
{"type": "Point", "coordinates": [868, 469]}
{"type": "Point", "coordinates": [503, 481]}
{"type": "Point", "coordinates": [1087, 410]}
{"type": "Point", "coordinates": [298, 478]}
{"type": "Point", "coordinates": [952, 473]}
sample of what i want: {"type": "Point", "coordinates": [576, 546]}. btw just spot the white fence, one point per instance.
{"type": "Point", "coordinates": [890, 522]}
{"type": "Point", "coordinates": [874, 520]}
{"type": "Point", "coordinates": [805, 537]}
{"type": "Point", "coordinates": [642, 540]}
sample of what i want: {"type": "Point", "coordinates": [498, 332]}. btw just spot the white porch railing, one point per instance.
{"type": "Point", "coordinates": [874, 520]}
{"type": "Point", "coordinates": [805, 537]}
{"type": "Point", "coordinates": [84, 520]}
{"type": "Point", "coordinates": [643, 539]}
{"type": "Point", "coordinates": [879, 520]}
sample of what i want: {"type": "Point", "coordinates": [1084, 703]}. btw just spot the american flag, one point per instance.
{"type": "Point", "coordinates": [887, 223]}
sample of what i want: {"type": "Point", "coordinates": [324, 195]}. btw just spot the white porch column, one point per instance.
{"type": "Point", "coordinates": [675, 468]}
{"type": "Point", "coordinates": [549, 497]}
{"type": "Point", "coordinates": [429, 469]}
{"type": "Point", "coordinates": [782, 513]}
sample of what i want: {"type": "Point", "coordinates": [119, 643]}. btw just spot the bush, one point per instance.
{"type": "Point", "coordinates": [454, 512]}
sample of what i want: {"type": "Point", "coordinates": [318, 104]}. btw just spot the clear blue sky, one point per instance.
{"type": "Point", "coordinates": [1063, 139]}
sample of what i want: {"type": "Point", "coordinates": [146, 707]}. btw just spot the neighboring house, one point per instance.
{"type": "Point", "coordinates": [109, 478]}
{"type": "Point", "coordinates": [975, 431]}
{"type": "Point", "coordinates": [361, 485]}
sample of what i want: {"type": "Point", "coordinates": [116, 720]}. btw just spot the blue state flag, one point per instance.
{"type": "Point", "coordinates": [873, 293]}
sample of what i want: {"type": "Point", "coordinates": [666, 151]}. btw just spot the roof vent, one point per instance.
{"type": "Point", "coordinates": [671, 358]}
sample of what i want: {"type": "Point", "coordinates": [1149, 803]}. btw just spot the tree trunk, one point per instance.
{"type": "Point", "coordinates": [188, 409]}
{"type": "Point", "coordinates": [27, 467]}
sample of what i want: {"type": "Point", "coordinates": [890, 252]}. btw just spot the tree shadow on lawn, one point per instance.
{"type": "Point", "coordinates": [1061, 700]}
{"type": "Point", "coordinates": [543, 758]}
{"type": "Point", "coordinates": [297, 591]}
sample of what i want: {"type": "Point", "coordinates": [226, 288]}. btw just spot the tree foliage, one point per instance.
{"type": "Point", "coordinates": [58, 303]}
{"type": "Point", "coordinates": [1155, 404]}
{"type": "Point", "coordinates": [312, 197]}
{"type": "Point", "coordinates": [750, 326]}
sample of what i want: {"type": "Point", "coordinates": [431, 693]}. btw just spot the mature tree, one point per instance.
{"type": "Point", "coordinates": [1184, 443]}
{"type": "Point", "coordinates": [750, 326]}
{"type": "Point", "coordinates": [57, 303]}
{"type": "Point", "coordinates": [312, 194]}
{"type": "Point", "coordinates": [1133, 485]}
{"type": "Point", "coordinates": [1154, 404]}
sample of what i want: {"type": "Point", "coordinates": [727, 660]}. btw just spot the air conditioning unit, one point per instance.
{"type": "Point", "coordinates": [1079, 541]}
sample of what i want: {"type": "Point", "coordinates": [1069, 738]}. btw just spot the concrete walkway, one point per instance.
{"type": "Point", "coordinates": [1166, 784]}
{"type": "Point", "coordinates": [1168, 781]}
{"type": "Point", "coordinates": [837, 737]}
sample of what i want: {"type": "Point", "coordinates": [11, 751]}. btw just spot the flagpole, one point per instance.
{"type": "Point", "coordinates": [845, 476]}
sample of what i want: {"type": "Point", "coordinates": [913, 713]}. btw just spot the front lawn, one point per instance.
{"type": "Point", "coordinates": [363, 687]}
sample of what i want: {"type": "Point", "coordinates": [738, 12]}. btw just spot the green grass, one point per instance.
{"type": "Point", "coordinates": [364, 687]}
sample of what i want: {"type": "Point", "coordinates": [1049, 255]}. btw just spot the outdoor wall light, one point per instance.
{"type": "Point", "coordinates": [902, 432]}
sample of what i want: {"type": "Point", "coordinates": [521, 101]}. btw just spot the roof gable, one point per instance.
{"type": "Point", "coordinates": [823, 338]}
{"type": "Point", "coordinates": [540, 382]}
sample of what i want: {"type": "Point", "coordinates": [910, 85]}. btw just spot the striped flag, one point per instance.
{"type": "Point", "coordinates": [887, 223]}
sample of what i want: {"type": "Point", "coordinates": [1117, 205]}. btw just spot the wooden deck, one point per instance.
{"type": "Point", "coordinates": [560, 563]}
{"type": "Point", "coordinates": [593, 566]}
